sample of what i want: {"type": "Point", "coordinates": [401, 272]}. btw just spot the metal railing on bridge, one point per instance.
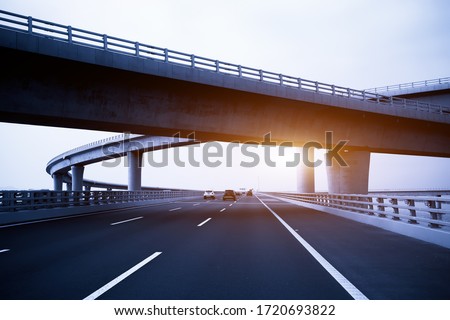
{"type": "Point", "coordinates": [424, 210]}
{"type": "Point", "coordinates": [45, 199]}
{"type": "Point", "coordinates": [78, 36]}
{"type": "Point", "coordinates": [120, 137]}
{"type": "Point", "coordinates": [410, 85]}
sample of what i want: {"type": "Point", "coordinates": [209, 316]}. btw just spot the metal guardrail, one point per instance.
{"type": "Point", "coordinates": [412, 209]}
{"type": "Point", "coordinates": [92, 145]}
{"type": "Point", "coordinates": [78, 36]}
{"type": "Point", "coordinates": [11, 201]}
{"type": "Point", "coordinates": [409, 85]}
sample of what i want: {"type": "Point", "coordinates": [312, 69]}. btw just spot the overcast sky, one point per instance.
{"type": "Point", "coordinates": [358, 44]}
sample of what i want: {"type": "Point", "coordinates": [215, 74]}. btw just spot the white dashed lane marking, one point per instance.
{"type": "Point", "coordinates": [199, 225]}
{"type": "Point", "coordinates": [125, 221]}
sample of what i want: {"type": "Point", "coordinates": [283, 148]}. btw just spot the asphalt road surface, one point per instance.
{"type": "Point", "coordinates": [255, 248]}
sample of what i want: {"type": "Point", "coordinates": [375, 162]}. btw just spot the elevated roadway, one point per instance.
{"type": "Point", "coordinates": [436, 91]}
{"type": "Point", "coordinates": [127, 145]}
{"type": "Point", "coordinates": [69, 77]}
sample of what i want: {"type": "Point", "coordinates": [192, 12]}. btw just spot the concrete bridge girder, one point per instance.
{"type": "Point", "coordinates": [102, 90]}
{"type": "Point", "coordinates": [158, 106]}
{"type": "Point", "coordinates": [97, 89]}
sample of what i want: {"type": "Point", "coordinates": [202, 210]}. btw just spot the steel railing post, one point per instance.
{"type": "Point", "coordinates": [394, 203]}
{"type": "Point", "coordinates": [30, 24]}
{"type": "Point", "coordinates": [105, 42]}
{"type": "Point", "coordinates": [412, 212]}
{"type": "Point", "coordinates": [434, 215]}
{"type": "Point", "coordinates": [370, 206]}
{"type": "Point", "coordinates": [136, 46]}
{"type": "Point", "coordinates": [380, 207]}
{"type": "Point", "coordinates": [69, 34]}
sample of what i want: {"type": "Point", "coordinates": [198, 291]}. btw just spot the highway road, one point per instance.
{"type": "Point", "coordinates": [255, 248]}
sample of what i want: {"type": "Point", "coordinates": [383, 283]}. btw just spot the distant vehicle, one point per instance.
{"type": "Point", "coordinates": [249, 193]}
{"type": "Point", "coordinates": [229, 194]}
{"type": "Point", "coordinates": [209, 194]}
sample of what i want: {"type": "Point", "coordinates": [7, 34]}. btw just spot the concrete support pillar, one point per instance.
{"type": "Point", "coordinates": [57, 182]}
{"type": "Point", "coordinates": [353, 179]}
{"type": "Point", "coordinates": [134, 170]}
{"type": "Point", "coordinates": [87, 188]}
{"type": "Point", "coordinates": [305, 171]}
{"type": "Point", "coordinates": [69, 186]}
{"type": "Point", "coordinates": [77, 178]}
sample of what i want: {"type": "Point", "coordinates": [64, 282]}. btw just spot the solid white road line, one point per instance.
{"type": "Point", "coordinates": [347, 285]}
{"type": "Point", "coordinates": [223, 210]}
{"type": "Point", "coordinates": [199, 225]}
{"type": "Point", "coordinates": [174, 209]}
{"type": "Point", "coordinates": [230, 204]}
{"type": "Point", "coordinates": [4, 250]}
{"type": "Point", "coordinates": [196, 204]}
{"type": "Point", "coordinates": [124, 221]}
{"type": "Point", "coordinates": [124, 275]}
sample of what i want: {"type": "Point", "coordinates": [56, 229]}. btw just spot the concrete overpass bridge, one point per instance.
{"type": "Point", "coordinates": [69, 77]}
{"type": "Point", "coordinates": [174, 245]}
{"type": "Point", "coordinates": [131, 146]}
{"type": "Point", "coordinates": [434, 90]}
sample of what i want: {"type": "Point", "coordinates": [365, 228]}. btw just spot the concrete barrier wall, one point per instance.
{"type": "Point", "coordinates": [10, 218]}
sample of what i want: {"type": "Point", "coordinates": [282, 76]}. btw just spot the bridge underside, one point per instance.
{"type": "Point", "coordinates": [85, 96]}
{"type": "Point", "coordinates": [44, 90]}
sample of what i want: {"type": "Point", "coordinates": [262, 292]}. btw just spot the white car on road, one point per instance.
{"type": "Point", "coordinates": [209, 194]}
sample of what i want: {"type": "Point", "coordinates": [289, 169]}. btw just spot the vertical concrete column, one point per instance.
{"type": "Point", "coordinates": [305, 171]}
{"type": "Point", "coordinates": [134, 170]}
{"type": "Point", "coordinates": [77, 178]}
{"type": "Point", "coordinates": [57, 182]}
{"type": "Point", "coordinates": [351, 179]}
